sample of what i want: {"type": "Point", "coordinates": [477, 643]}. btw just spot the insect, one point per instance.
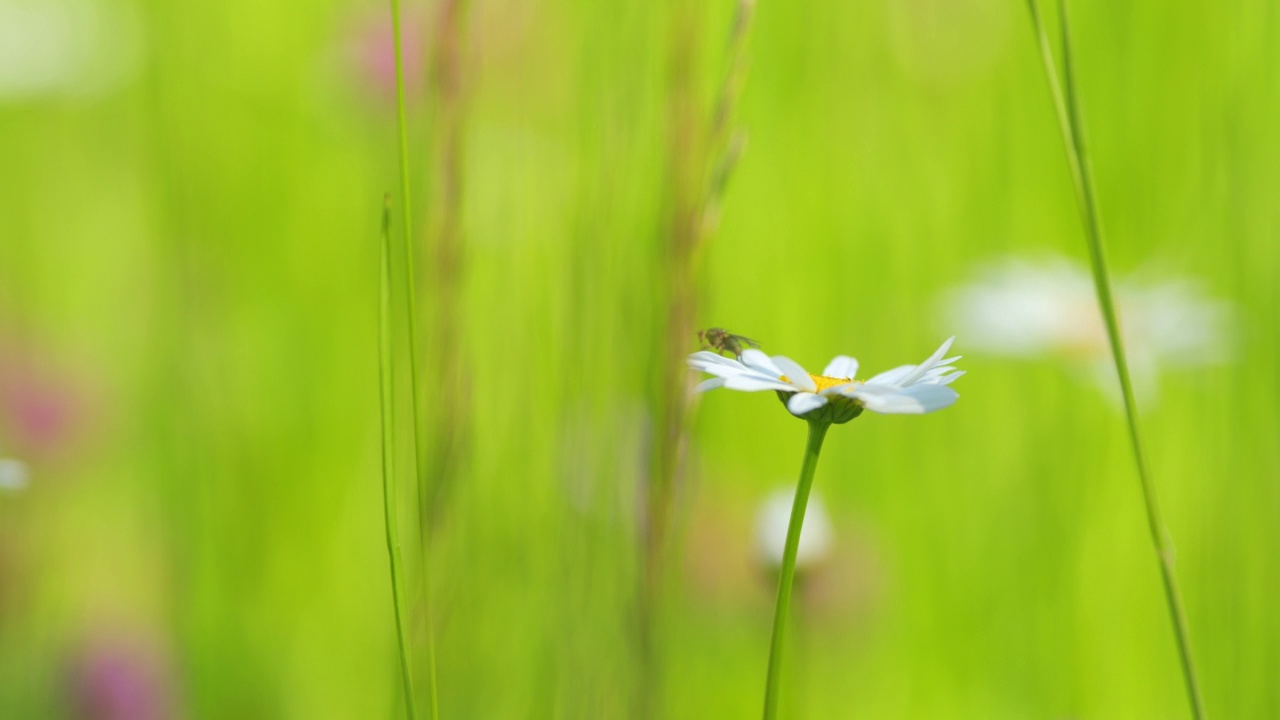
{"type": "Point", "coordinates": [723, 341]}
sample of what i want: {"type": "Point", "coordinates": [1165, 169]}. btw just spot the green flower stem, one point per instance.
{"type": "Point", "coordinates": [1067, 108]}
{"type": "Point", "coordinates": [817, 432]}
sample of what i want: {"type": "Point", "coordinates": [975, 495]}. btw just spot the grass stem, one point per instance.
{"type": "Point", "coordinates": [410, 271]}
{"type": "Point", "coordinates": [448, 416]}
{"type": "Point", "coordinates": [386, 383]}
{"type": "Point", "coordinates": [410, 266]}
{"type": "Point", "coordinates": [1067, 107]}
{"type": "Point", "coordinates": [703, 151]}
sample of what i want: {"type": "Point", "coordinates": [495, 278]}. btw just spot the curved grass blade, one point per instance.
{"type": "Point", "coordinates": [410, 270]}
{"type": "Point", "coordinates": [1067, 107]}
{"type": "Point", "coordinates": [386, 387]}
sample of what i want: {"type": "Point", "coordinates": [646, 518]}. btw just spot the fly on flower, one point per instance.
{"type": "Point", "coordinates": [835, 396]}
{"type": "Point", "coordinates": [723, 341]}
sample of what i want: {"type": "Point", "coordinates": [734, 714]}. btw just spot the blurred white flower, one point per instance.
{"type": "Point", "coordinates": [835, 396]}
{"type": "Point", "coordinates": [1026, 308]}
{"type": "Point", "coordinates": [51, 47]}
{"type": "Point", "coordinates": [816, 535]}
{"type": "Point", "coordinates": [13, 474]}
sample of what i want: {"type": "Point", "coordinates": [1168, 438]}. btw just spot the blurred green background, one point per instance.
{"type": "Point", "coordinates": [189, 203]}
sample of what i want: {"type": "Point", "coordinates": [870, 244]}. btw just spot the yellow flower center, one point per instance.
{"type": "Point", "coordinates": [823, 382]}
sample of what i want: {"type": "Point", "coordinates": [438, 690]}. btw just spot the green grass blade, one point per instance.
{"type": "Point", "coordinates": [1067, 107]}
{"type": "Point", "coordinates": [410, 271]}
{"type": "Point", "coordinates": [410, 266]}
{"type": "Point", "coordinates": [702, 153]}
{"type": "Point", "coordinates": [726, 142]}
{"type": "Point", "coordinates": [386, 386]}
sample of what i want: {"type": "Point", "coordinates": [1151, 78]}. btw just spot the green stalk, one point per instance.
{"type": "Point", "coordinates": [698, 171]}
{"type": "Point", "coordinates": [410, 268]}
{"type": "Point", "coordinates": [386, 382]}
{"type": "Point", "coordinates": [1067, 107]}
{"type": "Point", "coordinates": [726, 143]}
{"type": "Point", "coordinates": [410, 272]}
{"type": "Point", "coordinates": [817, 431]}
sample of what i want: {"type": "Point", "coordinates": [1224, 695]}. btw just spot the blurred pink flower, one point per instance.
{"type": "Point", "coordinates": [39, 411]}
{"type": "Point", "coordinates": [375, 55]}
{"type": "Point", "coordinates": [120, 679]}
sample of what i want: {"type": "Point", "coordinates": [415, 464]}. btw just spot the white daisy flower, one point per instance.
{"type": "Point", "coordinates": [13, 474]}
{"type": "Point", "coordinates": [816, 535]}
{"type": "Point", "coordinates": [1026, 308]}
{"type": "Point", "coordinates": [835, 396]}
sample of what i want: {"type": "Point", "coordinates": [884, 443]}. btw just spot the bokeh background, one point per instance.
{"type": "Point", "coordinates": [189, 208]}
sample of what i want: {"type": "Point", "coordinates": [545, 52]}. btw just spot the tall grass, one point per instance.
{"type": "Point", "coordinates": [450, 410]}
{"type": "Point", "coordinates": [1067, 106]}
{"type": "Point", "coordinates": [391, 507]}
{"type": "Point", "coordinates": [702, 149]}
{"type": "Point", "coordinates": [411, 314]}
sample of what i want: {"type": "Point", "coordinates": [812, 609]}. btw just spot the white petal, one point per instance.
{"type": "Point", "coordinates": [936, 373]}
{"type": "Point", "coordinates": [940, 375]}
{"type": "Point", "coordinates": [703, 359]}
{"type": "Point", "coordinates": [927, 365]}
{"type": "Point", "coordinates": [874, 397]}
{"type": "Point", "coordinates": [891, 377]}
{"type": "Point", "coordinates": [710, 384]}
{"type": "Point", "coordinates": [842, 367]}
{"type": "Point", "coordinates": [720, 370]}
{"type": "Point", "coordinates": [796, 374]}
{"type": "Point", "coordinates": [803, 402]}
{"type": "Point", "coordinates": [725, 370]}
{"type": "Point", "coordinates": [933, 397]}
{"type": "Point", "coordinates": [755, 383]}
{"type": "Point", "coordinates": [730, 368]}
{"type": "Point", "coordinates": [760, 362]}
{"type": "Point", "coordinates": [712, 356]}
{"type": "Point", "coordinates": [915, 400]}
